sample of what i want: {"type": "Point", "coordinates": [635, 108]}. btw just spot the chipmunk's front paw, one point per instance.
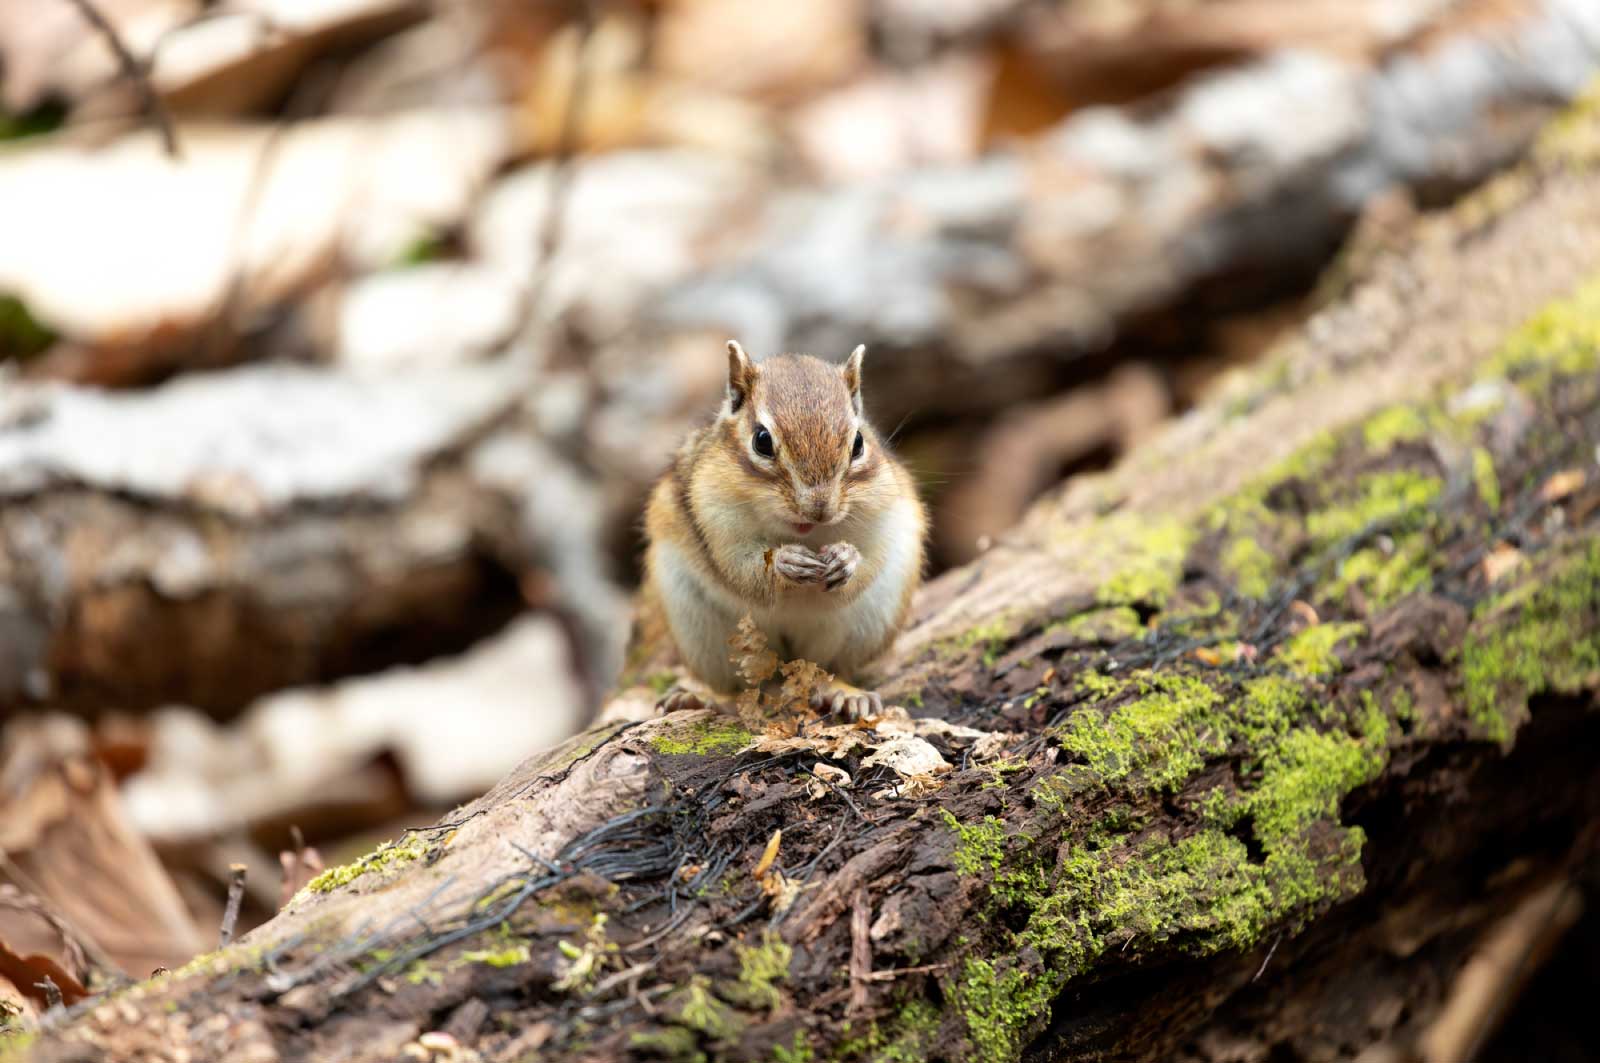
{"type": "Point", "coordinates": [799, 564]}
{"type": "Point", "coordinates": [842, 699]}
{"type": "Point", "coordinates": [841, 560]}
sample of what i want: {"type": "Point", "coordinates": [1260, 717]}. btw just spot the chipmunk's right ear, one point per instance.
{"type": "Point", "coordinates": [741, 376]}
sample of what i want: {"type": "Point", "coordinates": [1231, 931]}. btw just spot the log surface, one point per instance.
{"type": "Point", "coordinates": [1248, 740]}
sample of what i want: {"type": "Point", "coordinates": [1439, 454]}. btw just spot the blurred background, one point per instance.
{"type": "Point", "coordinates": [341, 339]}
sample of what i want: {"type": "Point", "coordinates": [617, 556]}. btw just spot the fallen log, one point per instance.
{"type": "Point", "coordinates": [273, 526]}
{"type": "Point", "coordinates": [1231, 753]}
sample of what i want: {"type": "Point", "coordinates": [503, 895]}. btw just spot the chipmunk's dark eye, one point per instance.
{"type": "Point", "coordinates": [762, 441]}
{"type": "Point", "coordinates": [859, 449]}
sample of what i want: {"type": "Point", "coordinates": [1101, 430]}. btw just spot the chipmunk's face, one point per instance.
{"type": "Point", "coordinates": [794, 425]}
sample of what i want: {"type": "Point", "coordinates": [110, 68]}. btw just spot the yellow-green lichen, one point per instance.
{"type": "Point", "coordinates": [1110, 624]}
{"type": "Point", "coordinates": [916, 1030]}
{"type": "Point", "coordinates": [1563, 337]}
{"type": "Point", "coordinates": [796, 1051]}
{"type": "Point", "coordinates": [1148, 561]}
{"type": "Point", "coordinates": [507, 956]}
{"type": "Point", "coordinates": [1380, 498]}
{"type": "Point", "coordinates": [1395, 424]}
{"type": "Point", "coordinates": [708, 737]}
{"type": "Point", "coordinates": [1573, 138]}
{"type": "Point", "coordinates": [1249, 566]}
{"type": "Point", "coordinates": [1387, 572]}
{"type": "Point", "coordinates": [1542, 636]}
{"type": "Point", "coordinates": [1310, 652]}
{"type": "Point", "coordinates": [672, 1042]}
{"type": "Point", "coordinates": [1485, 478]}
{"type": "Point", "coordinates": [386, 857]}
{"type": "Point", "coordinates": [695, 1007]}
{"type": "Point", "coordinates": [1165, 734]}
{"type": "Point", "coordinates": [760, 968]}
{"type": "Point", "coordinates": [991, 637]}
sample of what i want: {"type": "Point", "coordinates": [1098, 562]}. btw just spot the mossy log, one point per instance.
{"type": "Point", "coordinates": [1273, 719]}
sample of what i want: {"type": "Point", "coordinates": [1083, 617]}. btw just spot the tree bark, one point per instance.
{"type": "Point", "coordinates": [277, 526]}
{"type": "Point", "coordinates": [1248, 741]}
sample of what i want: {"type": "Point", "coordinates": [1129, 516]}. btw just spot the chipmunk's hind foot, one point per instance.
{"type": "Point", "coordinates": [683, 698]}
{"type": "Point", "coordinates": [849, 702]}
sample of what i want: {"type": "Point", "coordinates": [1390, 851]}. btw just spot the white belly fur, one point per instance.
{"type": "Point", "coordinates": [808, 624]}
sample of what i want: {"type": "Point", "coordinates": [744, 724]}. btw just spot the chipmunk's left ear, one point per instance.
{"type": "Point", "coordinates": [852, 375]}
{"type": "Point", "coordinates": [741, 376]}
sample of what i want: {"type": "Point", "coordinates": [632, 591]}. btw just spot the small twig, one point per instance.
{"type": "Point", "coordinates": [230, 914]}
{"type": "Point", "coordinates": [860, 950]}
{"type": "Point", "coordinates": [52, 993]}
{"type": "Point", "coordinates": [135, 71]}
{"type": "Point", "coordinates": [891, 973]}
{"type": "Point", "coordinates": [1270, 952]}
{"type": "Point", "coordinates": [568, 140]}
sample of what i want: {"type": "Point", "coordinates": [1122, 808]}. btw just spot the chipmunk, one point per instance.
{"type": "Point", "coordinates": [788, 508]}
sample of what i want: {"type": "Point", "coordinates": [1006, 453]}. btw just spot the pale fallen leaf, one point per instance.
{"type": "Point", "coordinates": [908, 756]}
{"type": "Point", "coordinates": [835, 742]}
{"type": "Point", "coordinates": [1501, 560]}
{"type": "Point", "coordinates": [782, 891]}
{"type": "Point", "coordinates": [1561, 485]}
{"type": "Point", "coordinates": [817, 787]}
{"type": "Point", "coordinates": [992, 745]}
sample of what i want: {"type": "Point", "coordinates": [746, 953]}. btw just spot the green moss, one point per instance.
{"type": "Point", "coordinates": [1150, 561]}
{"type": "Point", "coordinates": [695, 1007]}
{"type": "Point", "coordinates": [708, 737]}
{"type": "Point", "coordinates": [386, 857]}
{"type": "Point", "coordinates": [991, 637]}
{"type": "Point", "coordinates": [1249, 566]}
{"type": "Point", "coordinates": [760, 967]}
{"type": "Point", "coordinates": [1111, 624]}
{"type": "Point", "coordinates": [1304, 778]}
{"type": "Point", "coordinates": [1563, 337]}
{"type": "Point", "coordinates": [1387, 575]}
{"type": "Point", "coordinates": [797, 1051]}
{"type": "Point", "coordinates": [660, 682]}
{"type": "Point", "coordinates": [999, 1006]}
{"type": "Point", "coordinates": [916, 1032]}
{"type": "Point", "coordinates": [672, 1042]}
{"type": "Point", "coordinates": [1380, 497]}
{"type": "Point", "coordinates": [1542, 636]}
{"type": "Point", "coordinates": [1310, 652]}
{"type": "Point", "coordinates": [1166, 733]}
{"type": "Point", "coordinates": [1485, 477]}
{"type": "Point", "coordinates": [1393, 425]}
{"type": "Point", "coordinates": [509, 956]}
{"type": "Point", "coordinates": [420, 972]}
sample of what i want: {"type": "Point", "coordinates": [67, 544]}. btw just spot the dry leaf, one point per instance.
{"type": "Point", "coordinates": [908, 756]}
{"type": "Point", "coordinates": [782, 891]}
{"type": "Point", "coordinates": [829, 741]}
{"type": "Point", "coordinates": [1561, 485]}
{"type": "Point", "coordinates": [752, 659]}
{"type": "Point", "coordinates": [824, 774]}
{"type": "Point", "coordinates": [1501, 560]}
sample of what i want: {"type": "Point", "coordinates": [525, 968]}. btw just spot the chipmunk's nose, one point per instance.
{"type": "Point", "coordinates": [818, 504]}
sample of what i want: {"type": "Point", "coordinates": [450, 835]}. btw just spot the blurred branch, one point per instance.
{"type": "Point", "coordinates": [561, 174]}
{"type": "Point", "coordinates": [135, 71]}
